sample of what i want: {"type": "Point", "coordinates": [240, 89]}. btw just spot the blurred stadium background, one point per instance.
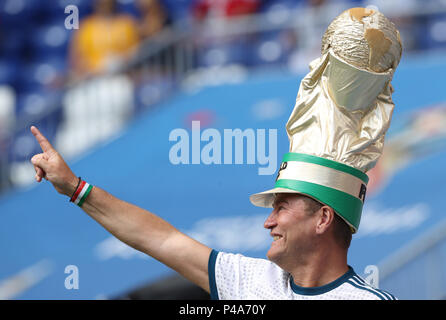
{"type": "Point", "coordinates": [109, 93]}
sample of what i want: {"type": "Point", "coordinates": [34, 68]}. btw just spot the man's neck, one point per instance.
{"type": "Point", "coordinates": [319, 269]}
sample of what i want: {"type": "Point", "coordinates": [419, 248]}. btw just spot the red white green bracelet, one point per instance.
{"type": "Point", "coordinates": [82, 191]}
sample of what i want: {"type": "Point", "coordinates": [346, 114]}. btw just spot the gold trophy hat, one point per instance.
{"type": "Point", "coordinates": [343, 110]}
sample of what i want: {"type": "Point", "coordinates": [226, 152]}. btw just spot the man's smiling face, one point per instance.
{"type": "Point", "coordinates": [292, 229]}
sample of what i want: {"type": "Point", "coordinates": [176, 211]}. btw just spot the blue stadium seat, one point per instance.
{"type": "Point", "coordinates": [279, 4]}
{"type": "Point", "coordinates": [269, 49]}
{"type": "Point", "coordinates": [12, 42]}
{"type": "Point", "coordinates": [128, 7]}
{"type": "Point", "coordinates": [41, 74]}
{"type": "Point", "coordinates": [32, 104]}
{"type": "Point", "coordinates": [17, 12]}
{"type": "Point", "coordinates": [8, 72]}
{"type": "Point", "coordinates": [433, 35]}
{"type": "Point", "coordinates": [50, 40]}
{"type": "Point", "coordinates": [55, 10]}
{"type": "Point", "coordinates": [178, 9]}
{"type": "Point", "coordinates": [235, 52]}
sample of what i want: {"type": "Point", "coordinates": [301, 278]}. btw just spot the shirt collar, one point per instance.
{"type": "Point", "coordinates": [311, 291]}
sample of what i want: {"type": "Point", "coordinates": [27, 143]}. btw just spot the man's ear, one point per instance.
{"type": "Point", "coordinates": [326, 217]}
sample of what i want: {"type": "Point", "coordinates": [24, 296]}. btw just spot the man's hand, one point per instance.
{"type": "Point", "coordinates": [52, 167]}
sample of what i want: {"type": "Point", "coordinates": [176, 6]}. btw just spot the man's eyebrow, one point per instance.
{"type": "Point", "coordinates": [277, 202]}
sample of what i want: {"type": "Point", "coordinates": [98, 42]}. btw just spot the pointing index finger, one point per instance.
{"type": "Point", "coordinates": [43, 142]}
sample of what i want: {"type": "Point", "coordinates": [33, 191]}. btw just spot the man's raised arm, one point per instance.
{"type": "Point", "coordinates": [134, 226]}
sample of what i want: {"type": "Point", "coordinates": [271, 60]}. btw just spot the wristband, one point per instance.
{"type": "Point", "coordinates": [75, 189]}
{"type": "Point", "coordinates": [81, 193]}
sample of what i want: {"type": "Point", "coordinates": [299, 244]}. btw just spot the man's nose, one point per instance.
{"type": "Point", "coordinates": [270, 222]}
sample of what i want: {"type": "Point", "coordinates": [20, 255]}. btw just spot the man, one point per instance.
{"type": "Point", "coordinates": [336, 132]}
{"type": "Point", "coordinates": [309, 241]}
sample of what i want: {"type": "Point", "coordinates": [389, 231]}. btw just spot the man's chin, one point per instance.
{"type": "Point", "coordinates": [272, 255]}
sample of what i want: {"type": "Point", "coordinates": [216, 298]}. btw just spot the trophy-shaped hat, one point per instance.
{"type": "Point", "coordinates": [343, 110]}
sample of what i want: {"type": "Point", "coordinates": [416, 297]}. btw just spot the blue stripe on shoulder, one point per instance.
{"type": "Point", "coordinates": [211, 274]}
{"type": "Point", "coordinates": [391, 295]}
{"type": "Point", "coordinates": [385, 293]}
{"type": "Point", "coordinates": [366, 289]}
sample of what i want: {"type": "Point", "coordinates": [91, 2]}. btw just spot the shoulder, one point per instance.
{"type": "Point", "coordinates": [240, 262]}
{"type": "Point", "coordinates": [358, 288]}
{"type": "Point", "coordinates": [235, 276]}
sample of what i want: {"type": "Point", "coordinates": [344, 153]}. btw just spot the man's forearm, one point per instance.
{"type": "Point", "coordinates": [135, 226]}
{"type": "Point", "coordinates": [150, 234]}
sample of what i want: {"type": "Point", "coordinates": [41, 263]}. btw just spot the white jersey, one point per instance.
{"type": "Point", "coordinates": [236, 277]}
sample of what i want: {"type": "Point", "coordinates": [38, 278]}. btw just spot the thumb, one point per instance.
{"type": "Point", "coordinates": [40, 161]}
